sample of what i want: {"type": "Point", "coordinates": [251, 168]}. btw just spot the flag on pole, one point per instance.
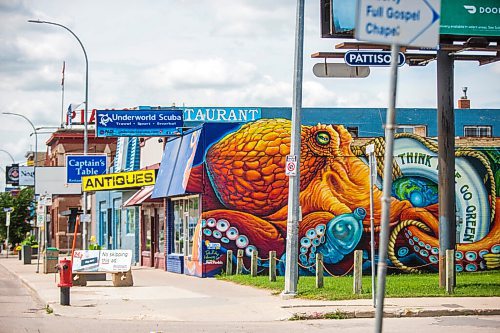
{"type": "Point", "coordinates": [71, 112]}
{"type": "Point", "coordinates": [64, 67]}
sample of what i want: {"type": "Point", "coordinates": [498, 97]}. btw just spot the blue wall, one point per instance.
{"type": "Point", "coordinates": [370, 120]}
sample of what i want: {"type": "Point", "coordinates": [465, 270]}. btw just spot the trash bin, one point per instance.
{"type": "Point", "coordinates": [26, 249]}
{"type": "Point", "coordinates": [50, 260]}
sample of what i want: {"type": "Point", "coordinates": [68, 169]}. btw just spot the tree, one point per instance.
{"type": "Point", "coordinates": [19, 217]}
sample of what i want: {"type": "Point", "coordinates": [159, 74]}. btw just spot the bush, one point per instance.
{"type": "Point", "coordinates": [30, 240]}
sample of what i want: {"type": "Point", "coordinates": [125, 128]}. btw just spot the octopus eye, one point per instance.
{"type": "Point", "coordinates": [232, 233]}
{"type": "Point", "coordinates": [222, 225]}
{"type": "Point", "coordinates": [242, 241]}
{"type": "Point", "coordinates": [211, 222]}
{"type": "Point", "coordinates": [249, 250]}
{"type": "Point", "coordinates": [217, 234]}
{"type": "Point", "coordinates": [323, 138]}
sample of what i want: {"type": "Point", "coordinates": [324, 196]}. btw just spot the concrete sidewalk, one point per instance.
{"type": "Point", "coordinates": [159, 295]}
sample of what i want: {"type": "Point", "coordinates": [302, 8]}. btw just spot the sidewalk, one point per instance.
{"type": "Point", "coordinates": [159, 295]}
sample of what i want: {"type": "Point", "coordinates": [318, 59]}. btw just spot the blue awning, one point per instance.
{"type": "Point", "coordinates": [176, 165]}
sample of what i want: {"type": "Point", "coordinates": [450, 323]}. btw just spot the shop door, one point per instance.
{"type": "Point", "coordinates": [185, 226]}
{"type": "Point", "coordinates": [186, 215]}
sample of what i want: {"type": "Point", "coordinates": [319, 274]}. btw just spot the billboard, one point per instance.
{"type": "Point", "coordinates": [116, 123]}
{"type": "Point", "coordinates": [52, 180]}
{"type": "Point", "coordinates": [26, 176]}
{"type": "Point", "coordinates": [460, 19]}
{"type": "Point", "coordinates": [470, 18]}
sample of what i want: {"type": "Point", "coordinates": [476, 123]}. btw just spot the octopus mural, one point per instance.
{"type": "Point", "coordinates": [245, 196]}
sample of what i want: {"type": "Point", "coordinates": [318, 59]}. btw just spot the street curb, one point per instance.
{"type": "Point", "coordinates": [398, 313]}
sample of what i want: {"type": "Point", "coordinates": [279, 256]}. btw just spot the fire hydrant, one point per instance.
{"type": "Point", "coordinates": [65, 279]}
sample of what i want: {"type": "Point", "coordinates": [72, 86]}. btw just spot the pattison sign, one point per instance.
{"type": "Point", "coordinates": [122, 180]}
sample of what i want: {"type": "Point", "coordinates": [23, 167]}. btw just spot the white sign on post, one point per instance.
{"type": "Point", "coordinates": [291, 165]}
{"type": "Point", "coordinates": [401, 22]}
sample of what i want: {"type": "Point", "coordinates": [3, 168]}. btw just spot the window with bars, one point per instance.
{"type": "Point", "coordinates": [414, 129]}
{"type": "Point", "coordinates": [477, 131]}
{"type": "Point", "coordinates": [353, 130]}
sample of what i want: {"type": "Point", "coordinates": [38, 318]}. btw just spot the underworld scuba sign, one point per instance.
{"type": "Point", "coordinates": [114, 123]}
{"type": "Point", "coordinates": [120, 180]}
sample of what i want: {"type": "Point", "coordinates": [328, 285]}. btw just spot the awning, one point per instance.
{"type": "Point", "coordinates": [144, 194]}
{"type": "Point", "coordinates": [175, 167]}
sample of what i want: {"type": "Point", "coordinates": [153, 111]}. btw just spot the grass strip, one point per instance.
{"type": "Point", "coordinates": [478, 284]}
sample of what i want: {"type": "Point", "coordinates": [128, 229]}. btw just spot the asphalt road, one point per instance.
{"type": "Point", "coordinates": [21, 311]}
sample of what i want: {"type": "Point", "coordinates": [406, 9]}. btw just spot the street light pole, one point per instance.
{"type": "Point", "coordinates": [35, 160]}
{"type": "Point", "coordinates": [12, 158]}
{"type": "Point", "coordinates": [85, 133]}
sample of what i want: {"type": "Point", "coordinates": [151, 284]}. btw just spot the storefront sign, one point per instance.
{"type": "Point", "coordinates": [78, 166]}
{"type": "Point", "coordinates": [470, 18]}
{"type": "Point", "coordinates": [115, 123]}
{"type": "Point", "coordinates": [221, 114]}
{"type": "Point", "coordinates": [120, 180]}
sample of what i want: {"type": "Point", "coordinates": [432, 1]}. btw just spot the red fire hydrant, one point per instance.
{"type": "Point", "coordinates": [65, 279]}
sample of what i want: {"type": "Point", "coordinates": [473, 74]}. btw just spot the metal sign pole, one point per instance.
{"type": "Point", "coordinates": [371, 163]}
{"type": "Point", "coordinates": [292, 243]}
{"type": "Point", "coordinates": [387, 187]}
{"type": "Point", "coordinates": [7, 224]}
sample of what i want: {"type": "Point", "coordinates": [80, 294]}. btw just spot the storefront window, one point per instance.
{"type": "Point", "coordinates": [161, 230]}
{"type": "Point", "coordinates": [130, 218]}
{"type": "Point", "coordinates": [178, 226]}
{"type": "Point", "coordinates": [192, 220]}
{"type": "Point", "coordinates": [186, 215]}
{"type": "Point", "coordinates": [103, 223]}
{"type": "Point", "coordinates": [147, 228]}
{"type": "Point", "coordinates": [117, 222]}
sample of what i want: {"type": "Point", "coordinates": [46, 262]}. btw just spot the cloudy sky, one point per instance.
{"type": "Point", "coordinates": [196, 53]}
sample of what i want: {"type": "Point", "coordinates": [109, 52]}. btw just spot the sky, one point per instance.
{"type": "Point", "coordinates": [192, 53]}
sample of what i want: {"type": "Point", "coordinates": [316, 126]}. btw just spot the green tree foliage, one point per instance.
{"type": "Point", "coordinates": [19, 218]}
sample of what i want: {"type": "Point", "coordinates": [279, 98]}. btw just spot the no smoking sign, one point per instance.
{"type": "Point", "coordinates": [291, 165]}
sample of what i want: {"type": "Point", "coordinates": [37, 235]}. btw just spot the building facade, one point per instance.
{"type": "Point", "coordinates": [225, 188]}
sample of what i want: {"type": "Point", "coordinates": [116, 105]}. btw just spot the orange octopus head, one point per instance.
{"type": "Point", "coordinates": [247, 167]}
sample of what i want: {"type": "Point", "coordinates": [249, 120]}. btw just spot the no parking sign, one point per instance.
{"type": "Point", "coordinates": [291, 165]}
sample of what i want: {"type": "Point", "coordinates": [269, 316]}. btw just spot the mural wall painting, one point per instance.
{"type": "Point", "coordinates": [245, 194]}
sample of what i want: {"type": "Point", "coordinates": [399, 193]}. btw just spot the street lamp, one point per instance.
{"type": "Point", "coordinates": [36, 137]}
{"type": "Point", "coordinates": [85, 134]}
{"type": "Point", "coordinates": [12, 158]}
{"type": "Point", "coordinates": [35, 159]}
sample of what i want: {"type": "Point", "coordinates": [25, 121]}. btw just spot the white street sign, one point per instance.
{"type": "Point", "coordinates": [340, 70]}
{"type": "Point", "coordinates": [7, 219]}
{"type": "Point", "coordinates": [401, 22]}
{"type": "Point", "coordinates": [40, 220]}
{"type": "Point", "coordinates": [291, 165]}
